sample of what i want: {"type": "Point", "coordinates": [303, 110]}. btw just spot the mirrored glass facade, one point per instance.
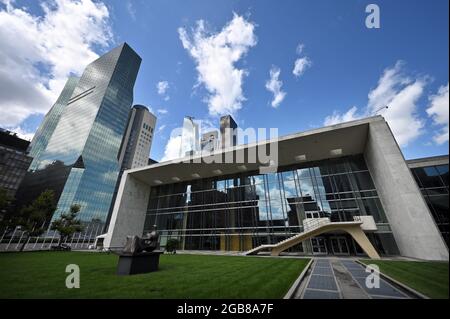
{"type": "Point", "coordinates": [243, 211]}
{"type": "Point", "coordinates": [81, 161]}
{"type": "Point", "coordinates": [433, 182]}
{"type": "Point", "coordinates": [51, 120]}
{"type": "Point", "coordinates": [190, 139]}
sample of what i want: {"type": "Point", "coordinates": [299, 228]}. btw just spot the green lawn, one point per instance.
{"type": "Point", "coordinates": [428, 278]}
{"type": "Point", "coordinates": [42, 275]}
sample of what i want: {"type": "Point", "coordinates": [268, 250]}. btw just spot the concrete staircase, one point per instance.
{"type": "Point", "coordinates": [316, 226]}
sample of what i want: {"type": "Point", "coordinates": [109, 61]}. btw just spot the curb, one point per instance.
{"type": "Point", "coordinates": [297, 282]}
{"type": "Point", "coordinates": [393, 281]}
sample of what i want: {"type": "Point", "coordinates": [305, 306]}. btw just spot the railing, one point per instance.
{"type": "Point", "coordinates": [313, 223]}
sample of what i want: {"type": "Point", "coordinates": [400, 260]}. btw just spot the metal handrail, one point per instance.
{"type": "Point", "coordinates": [314, 223]}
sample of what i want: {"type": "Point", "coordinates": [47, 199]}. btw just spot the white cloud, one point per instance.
{"type": "Point", "coordinates": [162, 87]}
{"type": "Point", "coordinates": [131, 10]}
{"type": "Point", "coordinates": [215, 55]}
{"type": "Point", "coordinates": [438, 110]}
{"type": "Point", "coordinates": [336, 118]}
{"type": "Point", "coordinates": [300, 66]}
{"type": "Point", "coordinates": [301, 63]}
{"type": "Point", "coordinates": [401, 93]}
{"type": "Point", "coordinates": [162, 111]}
{"type": "Point", "coordinates": [39, 52]}
{"type": "Point", "coordinates": [162, 127]}
{"type": "Point", "coordinates": [173, 147]}
{"type": "Point", "coordinates": [300, 48]}
{"type": "Point", "coordinates": [274, 85]}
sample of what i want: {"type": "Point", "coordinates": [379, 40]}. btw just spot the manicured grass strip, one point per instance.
{"type": "Point", "coordinates": [428, 278]}
{"type": "Point", "coordinates": [42, 275]}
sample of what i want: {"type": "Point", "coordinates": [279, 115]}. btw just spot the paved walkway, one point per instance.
{"type": "Point", "coordinates": [343, 279]}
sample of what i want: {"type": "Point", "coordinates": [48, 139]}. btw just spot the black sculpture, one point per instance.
{"type": "Point", "coordinates": [135, 245]}
{"type": "Point", "coordinates": [139, 255]}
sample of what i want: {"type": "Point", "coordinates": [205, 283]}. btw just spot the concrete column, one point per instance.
{"type": "Point", "coordinates": [413, 226]}
{"type": "Point", "coordinates": [360, 237]}
{"type": "Point", "coordinates": [129, 211]}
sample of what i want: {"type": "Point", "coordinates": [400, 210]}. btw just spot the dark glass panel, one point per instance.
{"type": "Point", "coordinates": [443, 171]}
{"type": "Point", "coordinates": [342, 183]}
{"type": "Point", "coordinates": [363, 181]}
{"type": "Point", "coordinates": [429, 177]}
{"type": "Point", "coordinates": [357, 163]}
{"type": "Point", "coordinates": [440, 207]}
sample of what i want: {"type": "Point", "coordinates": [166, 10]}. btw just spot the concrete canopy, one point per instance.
{"type": "Point", "coordinates": [318, 144]}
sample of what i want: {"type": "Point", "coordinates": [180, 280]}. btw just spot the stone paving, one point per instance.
{"type": "Point", "coordinates": [344, 279]}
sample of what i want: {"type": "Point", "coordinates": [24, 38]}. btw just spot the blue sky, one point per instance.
{"type": "Point", "coordinates": [403, 63]}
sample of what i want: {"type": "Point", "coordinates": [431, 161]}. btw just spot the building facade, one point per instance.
{"type": "Point", "coordinates": [431, 175]}
{"type": "Point", "coordinates": [209, 142]}
{"type": "Point", "coordinates": [228, 131]}
{"type": "Point", "coordinates": [190, 137]}
{"type": "Point", "coordinates": [138, 138]}
{"type": "Point", "coordinates": [51, 120]}
{"type": "Point", "coordinates": [81, 159]}
{"type": "Point", "coordinates": [136, 145]}
{"type": "Point", "coordinates": [340, 173]}
{"type": "Point", "coordinates": [14, 161]}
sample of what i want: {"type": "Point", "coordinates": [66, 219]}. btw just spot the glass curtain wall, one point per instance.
{"type": "Point", "coordinates": [246, 210]}
{"type": "Point", "coordinates": [433, 182]}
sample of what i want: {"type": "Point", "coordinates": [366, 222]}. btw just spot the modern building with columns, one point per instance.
{"type": "Point", "coordinates": [352, 173]}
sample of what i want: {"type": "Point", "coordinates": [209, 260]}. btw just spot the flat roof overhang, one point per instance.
{"type": "Point", "coordinates": [318, 144]}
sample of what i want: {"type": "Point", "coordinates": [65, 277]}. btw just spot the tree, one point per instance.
{"type": "Point", "coordinates": [32, 218]}
{"type": "Point", "coordinates": [67, 224]}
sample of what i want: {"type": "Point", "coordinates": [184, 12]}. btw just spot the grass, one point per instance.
{"type": "Point", "coordinates": [42, 275]}
{"type": "Point", "coordinates": [428, 278]}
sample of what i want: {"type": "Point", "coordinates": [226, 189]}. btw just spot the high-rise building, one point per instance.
{"type": "Point", "coordinates": [209, 142]}
{"type": "Point", "coordinates": [190, 138]}
{"type": "Point", "coordinates": [228, 131]}
{"type": "Point", "coordinates": [81, 159]}
{"type": "Point", "coordinates": [136, 144]}
{"type": "Point", "coordinates": [51, 119]}
{"type": "Point", "coordinates": [138, 138]}
{"type": "Point", "coordinates": [14, 161]}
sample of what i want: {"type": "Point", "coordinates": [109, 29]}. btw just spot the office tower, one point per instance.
{"type": "Point", "coordinates": [136, 144]}
{"type": "Point", "coordinates": [190, 139]}
{"type": "Point", "coordinates": [209, 142]}
{"type": "Point", "coordinates": [14, 161]}
{"type": "Point", "coordinates": [228, 131]}
{"type": "Point", "coordinates": [81, 160]}
{"type": "Point", "coordinates": [51, 119]}
{"type": "Point", "coordinates": [138, 138]}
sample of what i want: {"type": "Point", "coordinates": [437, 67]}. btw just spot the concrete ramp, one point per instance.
{"type": "Point", "coordinates": [317, 227]}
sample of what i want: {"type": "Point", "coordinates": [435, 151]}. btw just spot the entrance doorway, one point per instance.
{"type": "Point", "coordinates": [339, 245]}
{"type": "Point", "coordinates": [319, 246]}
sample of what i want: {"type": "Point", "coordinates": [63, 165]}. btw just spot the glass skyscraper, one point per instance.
{"type": "Point", "coordinates": [190, 138]}
{"type": "Point", "coordinates": [51, 120]}
{"type": "Point", "coordinates": [80, 161]}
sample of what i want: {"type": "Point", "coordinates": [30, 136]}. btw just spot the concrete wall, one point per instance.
{"type": "Point", "coordinates": [413, 226]}
{"type": "Point", "coordinates": [128, 215]}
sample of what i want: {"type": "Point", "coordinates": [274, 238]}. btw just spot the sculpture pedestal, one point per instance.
{"type": "Point", "coordinates": [138, 264]}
